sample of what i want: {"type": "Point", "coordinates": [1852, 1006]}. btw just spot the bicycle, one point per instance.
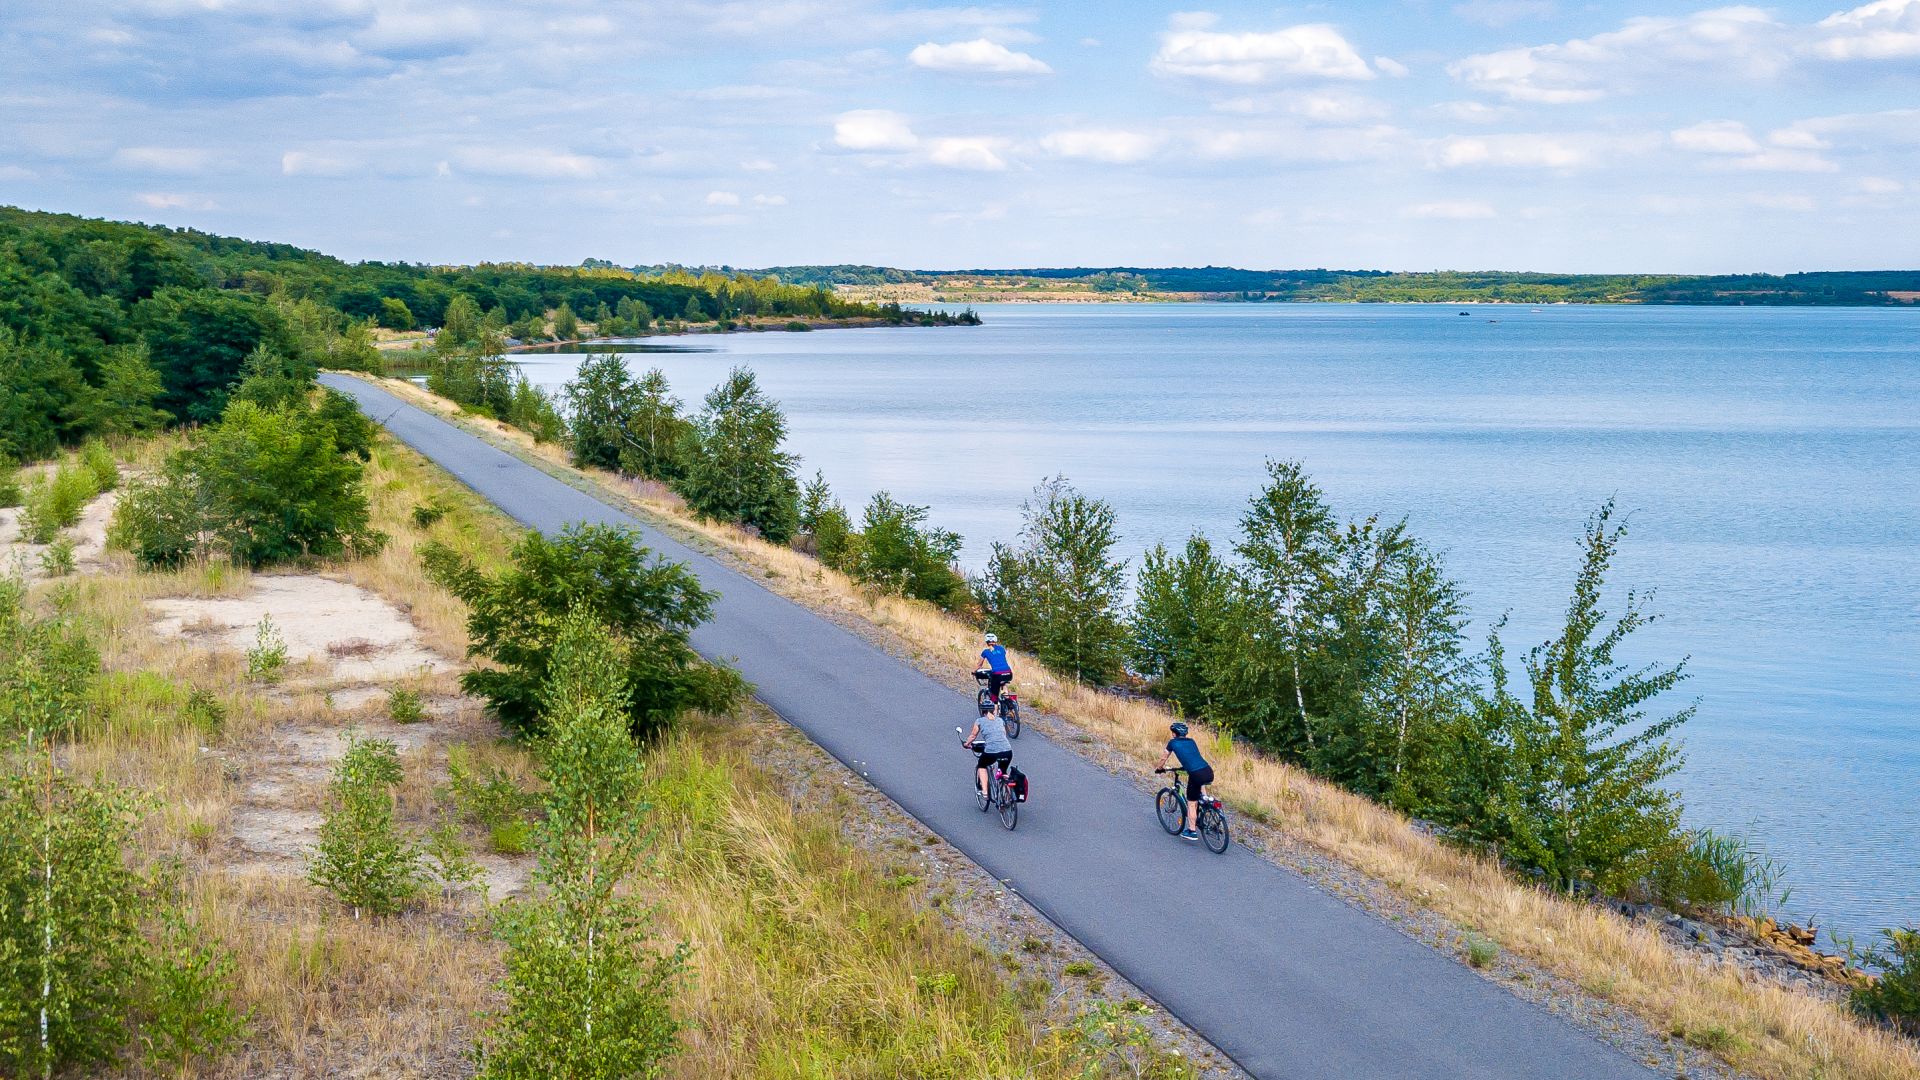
{"type": "Point", "coordinates": [999, 794]}
{"type": "Point", "coordinates": [1009, 705]}
{"type": "Point", "coordinates": [1211, 820]}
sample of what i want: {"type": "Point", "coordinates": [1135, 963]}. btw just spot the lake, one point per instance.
{"type": "Point", "coordinates": [1768, 459]}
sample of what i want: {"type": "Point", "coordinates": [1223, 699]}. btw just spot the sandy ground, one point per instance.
{"type": "Point", "coordinates": [89, 538]}
{"type": "Point", "coordinates": [342, 631]}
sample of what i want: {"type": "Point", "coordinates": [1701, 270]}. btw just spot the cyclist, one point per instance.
{"type": "Point", "coordinates": [1199, 773]}
{"type": "Point", "coordinates": [989, 740]}
{"type": "Point", "coordinates": [993, 660]}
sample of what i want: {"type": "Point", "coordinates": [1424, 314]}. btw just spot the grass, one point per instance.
{"type": "Point", "coordinates": [1772, 1031]}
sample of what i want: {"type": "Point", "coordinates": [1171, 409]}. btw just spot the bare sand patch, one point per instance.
{"type": "Point", "coordinates": [343, 630]}
{"type": "Point", "coordinates": [89, 536]}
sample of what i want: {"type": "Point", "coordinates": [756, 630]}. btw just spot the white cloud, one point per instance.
{"type": "Point", "coordinates": [770, 200]}
{"type": "Point", "coordinates": [1108, 146]}
{"type": "Point", "coordinates": [873, 129]}
{"type": "Point", "coordinates": [1309, 51]}
{"type": "Point", "coordinates": [758, 165]}
{"type": "Point", "coordinates": [1453, 210]}
{"type": "Point", "coordinates": [1885, 30]}
{"type": "Point", "coordinates": [722, 198]}
{"type": "Point", "coordinates": [1473, 112]}
{"type": "Point", "coordinates": [1773, 201]}
{"type": "Point", "coordinates": [976, 57]}
{"type": "Point", "coordinates": [307, 163]}
{"type": "Point", "coordinates": [1296, 144]}
{"type": "Point", "coordinates": [1389, 66]}
{"type": "Point", "coordinates": [1716, 137]}
{"type": "Point", "coordinates": [180, 160]}
{"type": "Point", "coordinates": [1880, 185]}
{"type": "Point", "coordinates": [1776, 160]}
{"type": "Point", "coordinates": [1744, 41]}
{"type": "Point", "coordinates": [536, 164]}
{"type": "Point", "coordinates": [166, 200]}
{"type": "Point", "coordinates": [980, 155]}
{"type": "Point", "coordinates": [1529, 151]}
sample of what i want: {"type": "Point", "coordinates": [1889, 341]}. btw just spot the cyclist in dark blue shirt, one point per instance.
{"type": "Point", "coordinates": [993, 660]}
{"type": "Point", "coordinates": [1199, 773]}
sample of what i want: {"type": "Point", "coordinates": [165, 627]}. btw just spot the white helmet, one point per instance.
{"type": "Point", "coordinates": [993, 639]}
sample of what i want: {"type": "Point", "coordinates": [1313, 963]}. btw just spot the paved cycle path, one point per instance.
{"type": "Point", "coordinates": [1288, 980]}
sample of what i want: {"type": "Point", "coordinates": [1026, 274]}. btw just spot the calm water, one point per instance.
{"type": "Point", "coordinates": [1769, 459]}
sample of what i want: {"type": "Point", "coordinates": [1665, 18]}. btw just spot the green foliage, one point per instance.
{"type": "Point", "coordinates": [511, 838]}
{"type": "Point", "coordinates": [425, 515]}
{"type": "Point", "coordinates": [586, 995]}
{"type": "Point", "coordinates": [268, 654]}
{"type": "Point", "coordinates": [825, 523]}
{"type": "Point", "coordinates": [394, 314]}
{"type": "Point", "coordinates": [489, 797]}
{"type": "Point", "coordinates": [650, 604]}
{"type": "Point", "coordinates": [566, 325]}
{"type": "Point", "coordinates": [48, 668]}
{"type": "Point", "coordinates": [897, 551]}
{"type": "Point", "coordinates": [188, 1014]}
{"type": "Point", "coordinates": [461, 323]}
{"type": "Point", "coordinates": [1583, 795]}
{"type": "Point", "coordinates": [58, 560]}
{"type": "Point", "coordinates": [450, 862]}
{"type": "Point", "coordinates": [45, 401]}
{"type": "Point", "coordinates": [736, 470]}
{"type": "Point", "coordinates": [1894, 996]}
{"type": "Point", "coordinates": [10, 491]}
{"type": "Point", "coordinates": [102, 470]}
{"type": "Point", "coordinates": [54, 503]}
{"type": "Point", "coordinates": [272, 379]}
{"type": "Point", "coordinates": [129, 386]}
{"type": "Point", "coordinates": [71, 948]}
{"type": "Point", "coordinates": [472, 373]}
{"type": "Point", "coordinates": [1059, 592]}
{"type": "Point", "coordinates": [533, 411]}
{"type": "Point", "coordinates": [599, 401]}
{"type": "Point", "coordinates": [404, 706]}
{"type": "Point", "coordinates": [362, 857]}
{"type": "Point", "coordinates": [199, 341]}
{"type": "Point", "coordinates": [353, 433]}
{"type": "Point", "coordinates": [1179, 611]}
{"type": "Point", "coordinates": [262, 486]}
{"type": "Point", "coordinates": [1481, 951]}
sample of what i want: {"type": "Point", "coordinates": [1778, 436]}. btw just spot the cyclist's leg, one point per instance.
{"type": "Point", "coordinates": [980, 771]}
{"type": "Point", "coordinates": [995, 682]}
{"type": "Point", "coordinates": [1196, 788]}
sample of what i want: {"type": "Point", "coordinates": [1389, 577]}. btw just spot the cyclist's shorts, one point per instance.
{"type": "Point", "coordinates": [1198, 780]}
{"type": "Point", "coordinates": [1004, 757]}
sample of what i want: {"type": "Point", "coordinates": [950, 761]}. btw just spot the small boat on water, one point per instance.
{"type": "Point", "coordinates": [1466, 312]}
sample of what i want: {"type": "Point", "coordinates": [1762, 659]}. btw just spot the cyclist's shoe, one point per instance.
{"type": "Point", "coordinates": [1189, 835]}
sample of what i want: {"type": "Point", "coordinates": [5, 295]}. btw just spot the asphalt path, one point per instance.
{"type": "Point", "coordinates": [1286, 979]}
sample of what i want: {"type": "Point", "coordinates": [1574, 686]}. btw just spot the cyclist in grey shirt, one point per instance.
{"type": "Point", "coordinates": [989, 738]}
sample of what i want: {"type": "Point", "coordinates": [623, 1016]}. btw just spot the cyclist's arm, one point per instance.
{"type": "Point", "coordinates": [974, 735]}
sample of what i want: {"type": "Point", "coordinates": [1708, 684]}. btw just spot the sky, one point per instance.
{"type": "Point", "coordinates": [1485, 134]}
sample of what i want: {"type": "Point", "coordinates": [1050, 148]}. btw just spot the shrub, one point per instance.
{"type": "Point", "coordinates": [1894, 996]}
{"type": "Point", "coordinates": [448, 859]}
{"type": "Point", "coordinates": [55, 504]}
{"type": "Point", "coordinates": [1718, 872]}
{"type": "Point", "coordinates": [488, 797]}
{"type": "Point", "coordinates": [58, 560]}
{"type": "Point", "coordinates": [70, 941]}
{"type": "Point", "coordinates": [269, 653]}
{"type": "Point", "coordinates": [586, 996]}
{"type": "Point", "coordinates": [101, 469]}
{"type": "Point", "coordinates": [188, 1014]}
{"type": "Point", "coordinates": [1481, 951]}
{"type": "Point", "coordinates": [362, 857]}
{"type": "Point", "coordinates": [48, 668]}
{"type": "Point", "coordinates": [10, 492]}
{"type": "Point", "coordinates": [736, 470]}
{"type": "Point", "coordinates": [651, 605]}
{"type": "Point", "coordinates": [427, 514]}
{"type": "Point", "coordinates": [404, 706]}
{"type": "Point", "coordinates": [511, 838]}
{"type": "Point", "coordinates": [797, 327]}
{"type": "Point", "coordinates": [899, 552]}
{"type": "Point", "coordinates": [162, 522]}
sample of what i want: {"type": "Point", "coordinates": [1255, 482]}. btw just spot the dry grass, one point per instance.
{"type": "Point", "coordinates": [1756, 1026]}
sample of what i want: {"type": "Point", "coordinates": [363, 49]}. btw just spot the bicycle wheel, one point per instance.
{"type": "Point", "coordinates": [983, 799]}
{"type": "Point", "coordinates": [1009, 806]}
{"type": "Point", "coordinates": [1173, 810]}
{"type": "Point", "coordinates": [1012, 714]}
{"type": "Point", "coordinates": [1213, 830]}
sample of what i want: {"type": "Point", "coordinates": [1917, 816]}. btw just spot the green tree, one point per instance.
{"type": "Point", "coordinates": [363, 858]}
{"type": "Point", "coordinates": [461, 324]}
{"type": "Point", "coordinates": [1058, 592]}
{"type": "Point", "coordinates": [600, 409]}
{"type": "Point", "coordinates": [1584, 795]}
{"type": "Point", "coordinates": [129, 387]}
{"type": "Point", "coordinates": [586, 995]}
{"type": "Point", "coordinates": [899, 552]}
{"type": "Point", "coordinates": [1427, 673]}
{"type": "Point", "coordinates": [44, 399]}
{"type": "Point", "coordinates": [200, 339]}
{"type": "Point", "coordinates": [1179, 612]}
{"type": "Point", "coordinates": [736, 469]}
{"type": "Point", "coordinates": [692, 312]}
{"type": "Point", "coordinates": [1286, 551]}
{"type": "Point", "coordinates": [634, 315]}
{"type": "Point", "coordinates": [566, 325]}
{"type": "Point", "coordinates": [395, 314]}
{"type": "Point", "coordinates": [651, 604]}
{"type": "Point", "coordinates": [658, 437]}
{"type": "Point", "coordinates": [825, 522]}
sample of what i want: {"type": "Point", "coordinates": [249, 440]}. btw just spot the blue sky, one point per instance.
{"type": "Point", "coordinates": [1508, 134]}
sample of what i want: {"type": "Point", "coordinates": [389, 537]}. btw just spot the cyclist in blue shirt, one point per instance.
{"type": "Point", "coordinates": [993, 660]}
{"type": "Point", "coordinates": [1199, 773]}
